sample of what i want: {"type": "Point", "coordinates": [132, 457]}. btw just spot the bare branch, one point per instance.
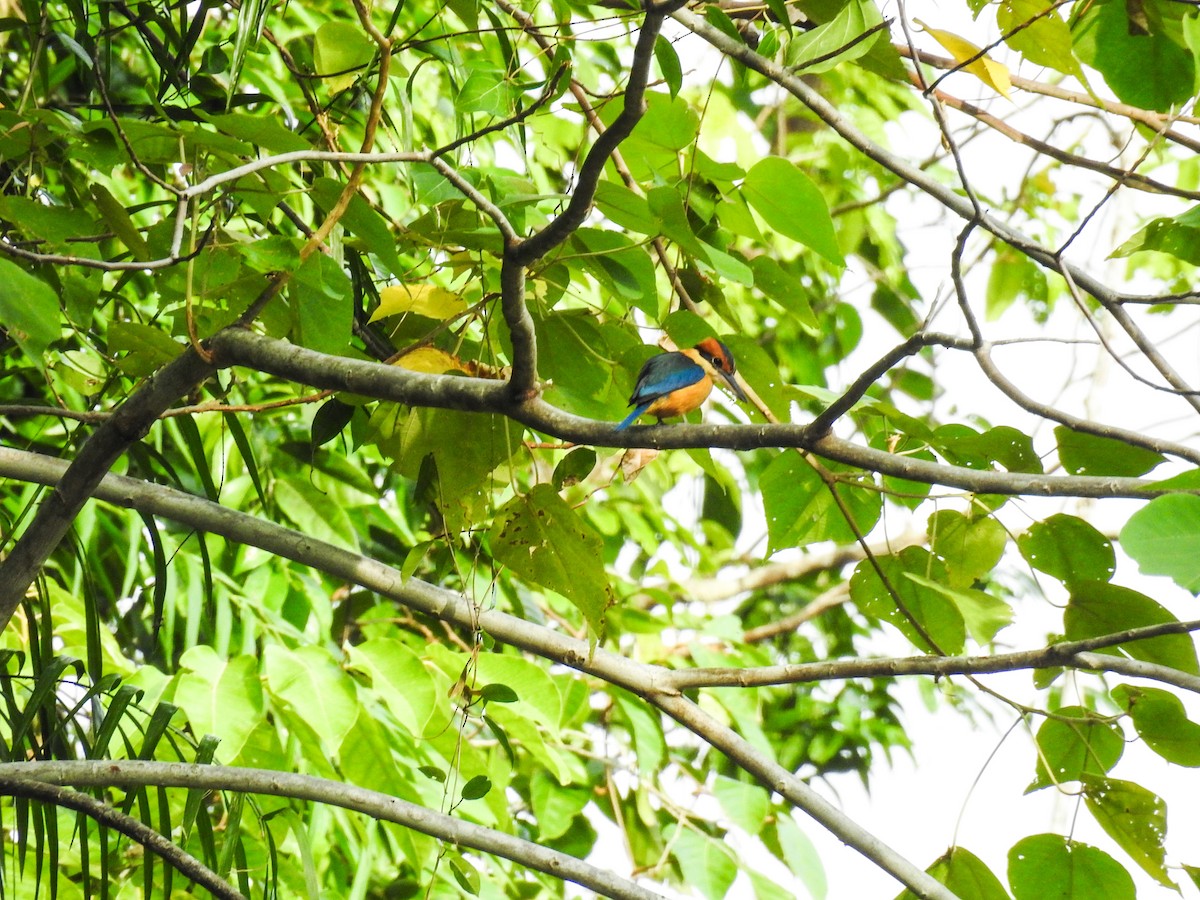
{"type": "Point", "coordinates": [965, 207]}
{"type": "Point", "coordinates": [1124, 177]}
{"type": "Point", "coordinates": [869, 376]}
{"type": "Point", "coordinates": [18, 781]}
{"type": "Point", "coordinates": [239, 347]}
{"type": "Point", "coordinates": [56, 513]}
{"type": "Point", "coordinates": [649, 682]}
{"type": "Point", "coordinates": [1066, 654]}
{"type": "Point", "coordinates": [133, 773]}
{"type": "Point", "coordinates": [822, 603]}
{"type": "Point", "coordinates": [1153, 120]}
{"type": "Point", "coordinates": [725, 585]}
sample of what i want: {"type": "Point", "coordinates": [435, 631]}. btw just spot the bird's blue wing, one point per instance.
{"type": "Point", "coordinates": [663, 374]}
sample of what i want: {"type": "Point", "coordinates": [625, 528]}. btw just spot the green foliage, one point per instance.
{"type": "Point", "coordinates": [1161, 537]}
{"type": "Point", "coordinates": [1047, 865]}
{"type": "Point", "coordinates": [168, 171]}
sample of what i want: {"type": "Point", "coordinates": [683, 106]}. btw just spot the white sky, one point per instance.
{"type": "Point", "coordinates": [958, 787]}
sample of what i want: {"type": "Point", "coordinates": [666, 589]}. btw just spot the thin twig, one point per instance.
{"type": "Point", "coordinates": [18, 781]}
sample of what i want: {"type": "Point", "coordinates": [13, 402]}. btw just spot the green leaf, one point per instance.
{"type": "Point", "coordinates": [1011, 448]}
{"type": "Point", "coordinates": [801, 509]}
{"type": "Point", "coordinates": [1135, 818]}
{"type": "Point", "coordinates": [554, 805]}
{"type": "Point", "coordinates": [313, 513]}
{"type": "Point", "coordinates": [117, 218]}
{"type": "Point", "coordinates": [965, 875]}
{"type": "Point", "coordinates": [465, 447]}
{"type": "Point", "coordinates": [220, 697]}
{"type": "Point", "coordinates": [364, 222]}
{"type": "Point", "coordinates": [542, 540]}
{"type": "Point", "coordinates": [1038, 34]}
{"type": "Point", "coordinates": [403, 683]}
{"type": "Point", "coordinates": [837, 41]}
{"type": "Point", "coordinates": [668, 64]}
{"type": "Point", "coordinates": [1052, 867]}
{"type": "Point", "coordinates": [1069, 549]}
{"type": "Point", "coordinates": [964, 446]}
{"type": "Point", "coordinates": [266, 131]}
{"type": "Point", "coordinates": [1193, 872]}
{"type": "Point", "coordinates": [623, 207]}
{"type": "Point", "coordinates": [1085, 747]}
{"type": "Point", "coordinates": [368, 753]}
{"type": "Point", "coordinates": [621, 267]}
{"type": "Point", "coordinates": [1089, 454]}
{"type": "Point", "coordinates": [340, 51]}
{"type": "Point", "coordinates": [707, 864]}
{"type": "Point", "coordinates": [672, 217]}
{"type": "Point", "coordinates": [329, 421]}
{"type": "Point", "coordinates": [652, 151]}
{"type": "Point", "coordinates": [796, 849]}
{"type": "Point", "coordinates": [465, 874]}
{"type": "Point", "coordinates": [930, 608]}
{"type": "Point", "coordinates": [983, 614]}
{"type": "Point", "coordinates": [486, 90]}
{"type": "Point", "coordinates": [792, 205]}
{"type": "Point", "coordinates": [1097, 609]}
{"type": "Point", "coordinates": [148, 348]}
{"type": "Point", "coordinates": [476, 788]}
{"type": "Point", "coordinates": [1161, 721]}
{"type": "Point", "coordinates": [323, 301]}
{"type": "Point", "coordinates": [499, 693]}
{"type": "Point", "coordinates": [316, 689]}
{"type": "Point", "coordinates": [1013, 275]}
{"type": "Point", "coordinates": [645, 731]}
{"type": "Point", "coordinates": [745, 804]}
{"type": "Point", "coordinates": [574, 467]}
{"type": "Point", "coordinates": [1149, 70]}
{"type": "Point", "coordinates": [1163, 538]}
{"type": "Point", "coordinates": [28, 310]}
{"type": "Point", "coordinates": [786, 290]}
{"type": "Point", "coordinates": [1178, 236]}
{"type": "Point", "coordinates": [970, 547]}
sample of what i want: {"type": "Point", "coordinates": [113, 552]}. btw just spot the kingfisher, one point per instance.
{"type": "Point", "coordinates": [675, 383]}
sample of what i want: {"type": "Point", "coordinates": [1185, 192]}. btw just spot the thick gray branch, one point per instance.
{"type": "Point", "coordinates": [643, 680]}
{"type": "Point", "coordinates": [242, 348]}
{"type": "Point", "coordinates": [518, 255]}
{"type": "Point", "coordinates": [128, 424]}
{"type": "Point", "coordinates": [143, 773]}
{"type": "Point", "coordinates": [1067, 654]}
{"type": "Point", "coordinates": [17, 781]}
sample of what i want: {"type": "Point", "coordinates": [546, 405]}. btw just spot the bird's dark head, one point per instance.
{"type": "Point", "coordinates": [719, 357]}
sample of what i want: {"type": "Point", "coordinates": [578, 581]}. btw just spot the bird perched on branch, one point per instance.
{"type": "Point", "coordinates": [675, 383]}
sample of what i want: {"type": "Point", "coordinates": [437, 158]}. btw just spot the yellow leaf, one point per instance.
{"type": "Point", "coordinates": [423, 299]}
{"type": "Point", "coordinates": [430, 360]}
{"type": "Point", "coordinates": [986, 69]}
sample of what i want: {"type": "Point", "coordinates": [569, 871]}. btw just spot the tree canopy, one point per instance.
{"type": "Point", "coordinates": [325, 570]}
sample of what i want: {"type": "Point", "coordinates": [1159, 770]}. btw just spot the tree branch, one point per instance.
{"type": "Point", "coordinates": [1121, 176]}
{"type": "Point", "coordinates": [17, 781]}
{"type": "Point", "coordinates": [134, 773]}
{"type": "Point", "coordinates": [646, 681]}
{"type": "Point", "coordinates": [240, 347]}
{"type": "Point", "coordinates": [1157, 122]}
{"type": "Point", "coordinates": [965, 207]}
{"type": "Point", "coordinates": [1067, 654]}
{"type": "Point", "coordinates": [130, 422]}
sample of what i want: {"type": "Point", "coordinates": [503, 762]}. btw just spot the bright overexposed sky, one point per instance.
{"type": "Point", "coordinates": [964, 783]}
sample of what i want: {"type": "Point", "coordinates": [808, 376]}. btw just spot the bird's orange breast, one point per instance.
{"type": "Point", "coordinates": [681, 401]}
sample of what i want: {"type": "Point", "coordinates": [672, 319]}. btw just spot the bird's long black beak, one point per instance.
{"type": "Point", "coordinates": [731, 382]}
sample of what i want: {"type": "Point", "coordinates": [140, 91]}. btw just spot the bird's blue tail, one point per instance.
{"type": "Point", "coordinates": [633, 416]}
